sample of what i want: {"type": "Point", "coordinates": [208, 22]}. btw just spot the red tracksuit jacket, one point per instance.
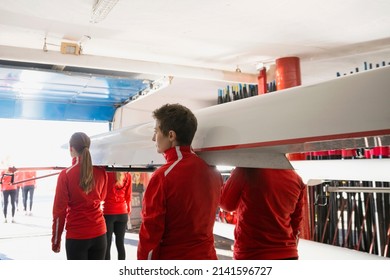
{"type": "Point", "coordinates": [179, 207]}
{"type": "Point", "coordinates": [25, 175]}
{"type": "Point", "coordinates": [6, 182]}
{"type": "Point", "coordinates": [118, 199]}
{"type": "Point", "coordinates": [269, 204]}
{"type": "Point", "coordinates": [81, 212]}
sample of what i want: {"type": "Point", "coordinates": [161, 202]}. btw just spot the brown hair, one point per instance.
{"type": "Point", "coordinates": [178, 118]}
{"type": "Point", "coordinates": [120, 178]}
{"type": "Point", "coordinates": [81, 143]}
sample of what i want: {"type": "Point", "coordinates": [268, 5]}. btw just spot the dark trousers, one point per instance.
{"type": "Point", "coordinates": [86, 249]}
{"type": "Point", "coordinates": [17, 196]}
{"type": "Point", "coordinates": [116, 224]}
{"type": "Point", "coordinates": [26, 191]}
{"type": "Point", "coordinates": [7, 194]}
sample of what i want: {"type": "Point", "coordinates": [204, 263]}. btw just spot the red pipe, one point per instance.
{"type": "Point", "coordinates": [262, 81]}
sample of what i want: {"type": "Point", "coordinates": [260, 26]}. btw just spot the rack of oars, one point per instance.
{"type": "Point", "coordinates": [351, 214]}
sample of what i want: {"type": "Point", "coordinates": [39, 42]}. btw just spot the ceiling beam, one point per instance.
{"type": "Point", "coordinates": [125, 65]}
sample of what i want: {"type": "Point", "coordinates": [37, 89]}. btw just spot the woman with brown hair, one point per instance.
{"type": "Point", "coordinates": [117, 206]}
{"type": "Point", "coordinates": [9, 190]}
{"type": "Point", "coordinates": [80, 191]}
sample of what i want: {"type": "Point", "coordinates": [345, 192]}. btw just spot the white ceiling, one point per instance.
{"type": "Point", "coordinates": [329, 36]}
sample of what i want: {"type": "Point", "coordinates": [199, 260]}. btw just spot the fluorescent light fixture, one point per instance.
{"type": "Point", "coordinates": [101, 9]}
{"type": "Point", "coordinates": [225, 170]}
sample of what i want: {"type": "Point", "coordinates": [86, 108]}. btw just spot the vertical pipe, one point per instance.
{"type": "Point", "coordinates": [351, 209]}
{"type": "Point", "coordinates": [312, 213]}
{"type": "Point", "coordinates": [342, 219]}
{"type": "Point", "coordinates": [262, 81]}
{"type": "Point", "coordinates": [369, 219]}
{"type": "Point", "coordinates": [386, 201]}
{"type": "Point", "coordinates": [363, 233]}
{"type": "Point", "coordinates": [320, 212]}
{"type": "Point", "coordinates": [326, 222]}
{"type": "Point", "coordinates": [338, 220]}
{"type": "Point", "coordinates": [382, 227]}
{"type": "Point", "coordinates": [378, 240]}
{"type": "Point", "coordinates": [333, 218]}
{"type": "Point", "coordinates": [358, 219]}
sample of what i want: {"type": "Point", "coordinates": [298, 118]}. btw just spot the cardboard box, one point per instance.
{"type": "Point", "coordinates": [70, 48]}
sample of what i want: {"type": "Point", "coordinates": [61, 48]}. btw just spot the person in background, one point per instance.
{"type": "Point", "coordinates": [269, 205]}
{"type": "Point", "coordinates": [9, 192]}
{"type": "Point", "coordinates": [80, 191]}
{"type": "Point", "coordinates": [117, 206]}
{"type": "Point", "coordinates": [137, 185]}
{"type": "Point", "coordinates": [138, 189]}
{"type": "Point", "coordinates": [18, 176]}
{"type": "Point", "coordinates": [28, 188]}
{"type": "Point", "coordinates": [180, 202]}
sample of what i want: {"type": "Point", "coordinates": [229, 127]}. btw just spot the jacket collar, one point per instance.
{"type": "Point", "coordinates": [75, 160]}
{"type": "Point", "coordinates": [174, 153]}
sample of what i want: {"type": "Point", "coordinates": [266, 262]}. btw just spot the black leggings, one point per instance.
{"type": "Point", "coordinates": [26, 191]}
{"type": "Point", "coordinates": [12, 194]}
{"type": "Point", "coordinates": [116, 224]}
{"type": "Point", "coordinates": [86, 249]}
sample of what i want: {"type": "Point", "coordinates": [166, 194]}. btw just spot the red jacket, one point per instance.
{"type": "Point", "coordinates": [269, 204]}
{"type": "Point", "coordinates": [118, 199]}
{"type": "Point", "coordinates": [25, 175]}
{"type": "Point", "coordinates": [82, 212]}
{"type": "Point", "coordinates": [19, 177]}
{"type": "Point", "coordinates": [179, 207]}
{"type": "Point", "coordinates": [6, 184]}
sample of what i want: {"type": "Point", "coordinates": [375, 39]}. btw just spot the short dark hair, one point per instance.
{"type": "Point", "coordinates": [178, 118]}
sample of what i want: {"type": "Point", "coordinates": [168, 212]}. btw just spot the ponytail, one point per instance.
{"type": "Point", "coordinates": [81, 143]}
{"type": "Point", "coordinates": [86, 171]}
{"type": "Point", "coordinates": [119, 178]}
